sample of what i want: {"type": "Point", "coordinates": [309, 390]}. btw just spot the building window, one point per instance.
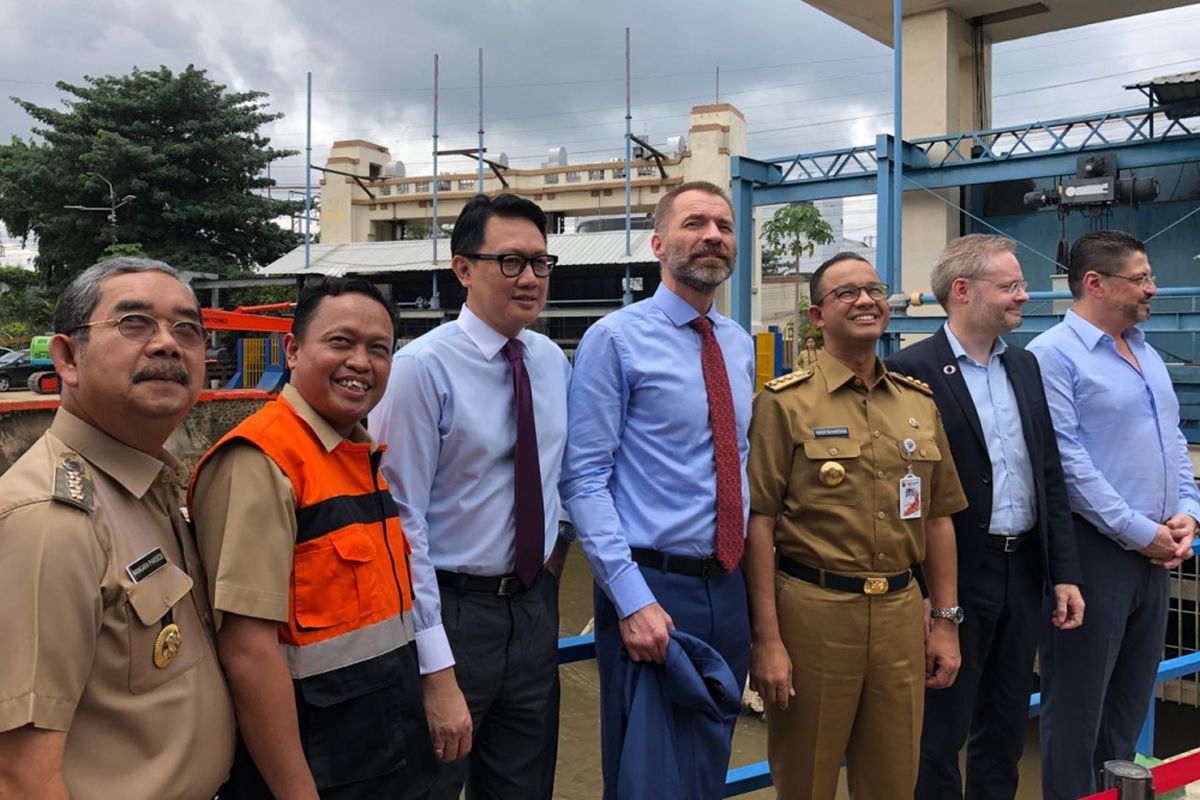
{"type": "Point", "coordinates": [551, 177]}
{"type": "Point", "coordinates": [374, 171]}
{"type": "Point", "coordinates": [646, 171]}
{"type": "Point", "coordinates": [444, 186]}
{"type": "Point", "coordinates": [387, 189]}
{"type": "Point", "coordinates": [595, 174]}
{"type": "Point", "coordinates": [574, 177]}
{"type": "Point", "coordinates": [422, 187]}
{"type": "Point", "coordinates": [404, 188]}
{"type": "Point", "coordinates": [466, 186]}
{"type": "Point", "coordinates": [618, 173]}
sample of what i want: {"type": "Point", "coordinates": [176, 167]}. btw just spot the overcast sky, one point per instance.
{"type": "Point", "coordinates": [554, 69]}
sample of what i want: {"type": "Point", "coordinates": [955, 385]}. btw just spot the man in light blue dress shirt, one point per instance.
{"type": "Point", "coordinates": [1135, 505]}
{"type": "Point", "coordinates": [487, 643]}
{"type": "Point", "coordinates": [639, 479]}
{"type": "Point", "coordinates": [1015, 541]}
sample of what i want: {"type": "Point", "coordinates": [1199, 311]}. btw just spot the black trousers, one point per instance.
{"type": "Point", "coordinates": [988, 706]}
{"type": "Point", "coordinates": [506, 662]}
{"type": "Point", "coordinates": [1097, 680]}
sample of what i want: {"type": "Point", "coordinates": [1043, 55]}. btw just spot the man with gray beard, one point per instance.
{"type": "Point", "coordinates": [654, 478]}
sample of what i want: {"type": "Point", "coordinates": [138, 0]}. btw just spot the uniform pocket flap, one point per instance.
{"type": "Point", "coordinates": [158, 593]}
{"type": "Point", "coordinates": [347, 683]}
{"type": "Point", "coordinates": [825, 449]}
{"type": "Point", "coordinates": [354, 546]}
{"type": "Point", "coordinates": [924, 450]}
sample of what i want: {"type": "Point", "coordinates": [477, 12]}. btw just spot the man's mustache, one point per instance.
{"type": "Point", "coordinates": [170, 372]}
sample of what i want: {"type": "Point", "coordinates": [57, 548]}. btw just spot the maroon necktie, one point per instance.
{"type": "Point", "coordinates": [730, 536]}
{"type": "Point", "coordinates": [528, 510]}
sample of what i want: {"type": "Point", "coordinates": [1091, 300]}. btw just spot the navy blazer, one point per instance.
{"type": "Point", "coordinates": [925, 360]}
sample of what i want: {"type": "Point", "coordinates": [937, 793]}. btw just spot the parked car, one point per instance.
{"type": "Point", "coordinates": [5, 351]}
{"type": "Point", "coordinates": [15, 369]}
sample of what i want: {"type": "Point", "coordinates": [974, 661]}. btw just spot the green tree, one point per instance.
{"type": "Point", "coordinates": [188, 151]}
{"type": "Point", "coordinates": [793, 232]}
{"type": "Point", "coordinates": [26, 309]}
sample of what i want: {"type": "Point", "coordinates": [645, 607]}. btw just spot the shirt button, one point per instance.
{"type": "Point", "coordinates": [986, 480]}
{"type": "Point", "coordinates": [922, 452]}
{"type": "Point", "coordinates": [880, 514]}
{"type": "Point", "coordinates": [875, 434]}
{"type": "Point", "coordinates": [982, 525]}
{"type": "Point", "coordinates": [880, 557]}
{"type": "Point", "coordinates": [833, 451]}
{"type": "Point", "coordinates": [879, 473]}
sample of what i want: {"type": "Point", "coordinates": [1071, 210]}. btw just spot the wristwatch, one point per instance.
{"type": "Point", "coordinates": [953, 613]}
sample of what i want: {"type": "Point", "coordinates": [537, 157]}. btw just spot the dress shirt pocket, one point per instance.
{"type": "Point", "coordinates": [159, 600]}
{"type": "Point", "coordinates": [828, 469]}
{"type": "Point", "coordinates": [334, 579]}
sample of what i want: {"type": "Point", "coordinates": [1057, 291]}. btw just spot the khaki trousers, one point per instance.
{"type": "Point", "coordinates": [858, 668]}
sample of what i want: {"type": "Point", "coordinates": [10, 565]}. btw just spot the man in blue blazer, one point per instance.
{"type": "Point", "coordinates": [1014, 538]}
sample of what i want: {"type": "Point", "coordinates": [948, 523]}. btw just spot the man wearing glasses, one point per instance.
{"type": "Point", "coordinates": [1014, 537]}
{"type": "Point", "coordinates": [475, 418]}
{"type": "Point", "coordinates": [1134, 505]}
{"type": "Point", "coordinates": [851, 483]}
{"type": "Point", "coordinates": [107, 632]}
{"type": "Point", "coordinates": [654, 480]}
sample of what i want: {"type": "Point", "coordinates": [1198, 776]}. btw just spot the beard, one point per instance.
{"type": "Point", "coordinates": [703, 277]}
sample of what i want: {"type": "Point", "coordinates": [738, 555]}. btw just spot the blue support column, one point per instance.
{"type": "Point", "coordinates": [742, 283]}
{"type": "Point", "coordinates": [884, 218]}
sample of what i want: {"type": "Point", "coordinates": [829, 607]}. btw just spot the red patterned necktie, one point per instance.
{"type": "Point", "coordinates": [528, 511]}
{"type": "Point", "coordinates": [730, 536]}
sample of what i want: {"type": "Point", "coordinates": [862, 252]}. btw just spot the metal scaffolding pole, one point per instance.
{"type": "Point", "coordinates": [627, 295]}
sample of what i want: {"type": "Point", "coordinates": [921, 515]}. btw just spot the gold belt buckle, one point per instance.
{"type": "Point", "coordinates": [875, 586]}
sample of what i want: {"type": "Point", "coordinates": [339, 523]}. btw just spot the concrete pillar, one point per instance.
{"type": "Point", "coordinates": [942, 87]}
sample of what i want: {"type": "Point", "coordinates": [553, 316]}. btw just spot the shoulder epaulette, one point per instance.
{"type": "Point", "coordinates": [908, 380]}
{"type": "Point", "coordinates": [793, 378]}
{"type": "Point", "coordinates": [73, 482]}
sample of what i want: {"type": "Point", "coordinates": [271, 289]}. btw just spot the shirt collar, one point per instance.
{"type": "Point", "coordinates": [133, 469]}
{"type": "Point", "coordinates": [489, 340]}
{"type": "Point", "coordinates": [998, 347]}
{"type": "Point", "coordinates": [678, 310]}
{"type": "Point", "coordinates": [326, 435]}
{"type": "Point", "coordinates": [1091, 335]}
{"type": "Point", "coordinates": [838, 374]}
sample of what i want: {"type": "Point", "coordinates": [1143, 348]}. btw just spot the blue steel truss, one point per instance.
{"type": "Point", "coordinates": [1145, 137]}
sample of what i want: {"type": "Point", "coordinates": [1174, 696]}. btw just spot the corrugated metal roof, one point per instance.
{"type": "Point", "coordinates": [1182, 77]}
{"type": "Point", "coordinates": [362, 258]}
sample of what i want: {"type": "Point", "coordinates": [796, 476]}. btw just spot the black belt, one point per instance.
{"type": "Point", "coordinates": [881, 584]}
{"type": "Point", "coordinates": [1009, 544]}
{"type": "Point", "coordinates": [690, 566]}
{"type": "Point", "coordinates": [500, 585]}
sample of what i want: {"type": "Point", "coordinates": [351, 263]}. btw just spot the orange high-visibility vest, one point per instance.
{"type": "Point", "coordinates": [350, 597]}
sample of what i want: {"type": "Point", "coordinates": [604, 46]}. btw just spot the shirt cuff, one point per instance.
{"type": "Point", "coordinates": [629, 592]}
{"type": "Point", "coordinates": [1191, 508]}
{"type": "Point", "coordinates": [1140, 533]}
{"type": "Point", "coordinates": [433, 650]}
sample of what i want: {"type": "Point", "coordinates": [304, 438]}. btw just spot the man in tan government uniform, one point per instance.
{"type": "Point", "coordinates": [109, 681]}
{"type": "Point", "coordinates": [852, 482]}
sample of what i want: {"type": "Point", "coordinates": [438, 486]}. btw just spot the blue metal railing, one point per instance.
{"type": "Point", "coordinates": [752, 777]}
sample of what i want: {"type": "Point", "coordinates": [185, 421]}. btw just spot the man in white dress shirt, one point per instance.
{"type": "Point", "coordinates": [475, 420]}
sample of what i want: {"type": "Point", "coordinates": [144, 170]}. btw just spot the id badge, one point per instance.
{"type": "Point", "coordinates": [910, 497]}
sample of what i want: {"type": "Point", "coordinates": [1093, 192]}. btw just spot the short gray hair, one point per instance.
{"type": "Point", "coordinates": [77, 303]}
{"type": "Point", "coordinates": [968, 256]}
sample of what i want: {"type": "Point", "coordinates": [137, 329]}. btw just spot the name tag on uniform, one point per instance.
{"type": "Point", "coordinates": [828, 433]}
{"type": "Point", "coordinates": [910, 497]}
{"type": "Point", "coordinates": [146, 566]}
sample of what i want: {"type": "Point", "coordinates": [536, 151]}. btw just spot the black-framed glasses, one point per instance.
{"type": "Point", "coordinates": [513, 264]}
{"type": "Point", "coordinates": [1142, 281]}
{"type": "Point", "coordinates": [1013, 287]}
{"type": "Point", "coordinates": [142, 327]}
{"type": "Point", "coordinates": [849, 293]}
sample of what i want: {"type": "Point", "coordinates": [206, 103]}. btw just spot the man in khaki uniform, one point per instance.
{"type": "Point", "coordinates": [109, 684]}
{"type": "Point", "coordinates": [851, 479]}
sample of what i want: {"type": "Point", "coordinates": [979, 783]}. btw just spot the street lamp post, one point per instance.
{"type": "Point", "coordinates": [111, 208]}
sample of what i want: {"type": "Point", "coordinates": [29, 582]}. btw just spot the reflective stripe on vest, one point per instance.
{"type": "Point", "coordinates": [350, 595]}
{"type": "Point", "coordinates": [349, 648]}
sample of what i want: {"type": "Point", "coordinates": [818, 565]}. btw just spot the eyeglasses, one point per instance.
{"type": "Point", "coordinates": [513, 264]}
{"type": "Point", "coordinates": [849, 294]}
{"type": "Point", "coordinates": [1142, 281]}
{"type": "Point", "coordinates": [142, 327]}
{"type": "Point", "coordinates": [1015, 287]}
